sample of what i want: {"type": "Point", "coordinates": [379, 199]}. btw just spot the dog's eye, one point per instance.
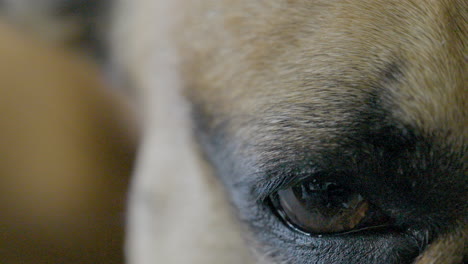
{"type": "Point", "coordinates": [324, 207]}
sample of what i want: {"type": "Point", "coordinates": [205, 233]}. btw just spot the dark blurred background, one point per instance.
{"type": "Point", "coordinates": [67, 137]}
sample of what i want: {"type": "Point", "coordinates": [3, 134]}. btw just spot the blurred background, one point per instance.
{"type": "Point", "coordinates": [67, 135]}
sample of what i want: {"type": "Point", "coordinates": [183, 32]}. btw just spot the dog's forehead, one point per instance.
{"type": "Point", "coordinates": [358, 87]}
{"type": "Point", "coordinates": [325, 62]}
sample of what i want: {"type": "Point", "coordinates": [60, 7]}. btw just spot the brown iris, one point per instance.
{"type": "Point", "coordinates": [322, 207]}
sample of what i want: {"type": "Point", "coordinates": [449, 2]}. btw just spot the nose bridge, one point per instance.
{"type": "Point", "coordinates": [449, 248]}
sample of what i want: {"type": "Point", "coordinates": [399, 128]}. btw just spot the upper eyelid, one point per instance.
{"type": "Point", "coordinates": [280, 177]}
{"type": "Point", "coordinates": [264, 187]}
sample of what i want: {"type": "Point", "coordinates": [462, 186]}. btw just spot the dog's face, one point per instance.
{"type": "Point", "coordinates": [338, 129]}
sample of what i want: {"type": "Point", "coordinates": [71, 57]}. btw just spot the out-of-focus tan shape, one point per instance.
{"type": "Point", "coordinates": [66, 150]}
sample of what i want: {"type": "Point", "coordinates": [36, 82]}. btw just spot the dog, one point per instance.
{"type": "Point", "coordinates": [297, 131]}
{"type": "Point", "coordinates": [294, 131]}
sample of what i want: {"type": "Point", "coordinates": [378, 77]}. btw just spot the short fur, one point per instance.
{"type": "Point", "coordinates": [371, 94]}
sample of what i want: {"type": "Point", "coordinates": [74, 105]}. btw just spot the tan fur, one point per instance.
{"type": "Point", "coordinates": [172, 199]}
{"type": "Point", "coordinates": [343, 39]}
{"type": "Point", "coordinates": [448, 248]}
{"type": "Point", "coordinates": [242, 60]}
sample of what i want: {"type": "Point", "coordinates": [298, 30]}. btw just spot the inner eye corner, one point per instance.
{"type": "Point", "coordinates": [272, 203]}
{"type": "Point", "coordinates": [318, 208]}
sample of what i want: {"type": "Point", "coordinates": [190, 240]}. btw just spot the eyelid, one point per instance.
{"type": "Point", "coordinates": [283, 176]}
{"type": "Point", "coordinates": [265, 187]}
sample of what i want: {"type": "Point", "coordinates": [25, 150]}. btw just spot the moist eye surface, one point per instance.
{"type": "Point", "coordinates": [318, 207]}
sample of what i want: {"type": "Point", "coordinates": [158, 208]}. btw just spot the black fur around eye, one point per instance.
{"type": "Point", "coordinates": [326, 208]}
